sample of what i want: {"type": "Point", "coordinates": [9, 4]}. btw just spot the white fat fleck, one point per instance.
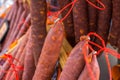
{"type": "Point", "coordinates": [57, 20]}
{"type": "Point", "coordinates": [88, 38]}
{"type": "Point", "coordinates": [94, 52]}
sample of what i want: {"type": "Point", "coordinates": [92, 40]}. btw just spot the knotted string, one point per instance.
{"type": "Point", "coordinates": [61, 20]}
{"type": "Point", "coordinates": [84, 51]}
{"type": "Point", "coordinates": [101, 48]}
{"type": "Point", "coordinates": [95, 6]}
{"type": "Point", "coordinates": [86, 60]}
{"type": "Point", "coordinates": [72, 5]}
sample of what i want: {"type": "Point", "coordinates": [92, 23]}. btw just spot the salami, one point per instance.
{"type": "Point", "coordinates": [93, 17]}
{"type": "Point", "coordinates": [20, 11]}
{"type": "Point", "coordinates": [50, 55]}
{"type": "Point", "coordinates": [80, 16]}
{"type": "Point", "coordinates": [114, 32]}
{"type": "Point", "coordinates": [68, 22]}
{"type": "Point", "coordinates": [104, 20]}
{"type": "Point", "coordinates": [6, 65]}
{"type": "Point", "coordinates": [29, 66]}
{"type": "Point", "coordinates": [20, 50]}
{"type": "Point", "coordinates": [38, 27]}
{"type": "Point", "coordinates": [85, 75]}
{"type": "Point", "coordinates": [5, 43]}
{"type": "Point", "coordinates": [20, 56]}
{"type": "Point", "coordinates": [75, 58]}
{"type": "Point", "coordinates": [24, 27]}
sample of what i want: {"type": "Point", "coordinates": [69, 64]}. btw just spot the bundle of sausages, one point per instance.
{"type": "Point", "coordinates": [39, 52]}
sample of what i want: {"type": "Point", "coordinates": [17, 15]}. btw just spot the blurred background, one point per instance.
{"type": "Point", "coordinates": [5, 4]}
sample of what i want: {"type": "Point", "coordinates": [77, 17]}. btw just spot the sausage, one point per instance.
{"type": "Point", "coordinates": [38, 27]}
{"type": "Point", "coordinates": [50, 55]}
{"type": "Point", "coordinates": [93, 17]}
{"type": "Point", "coordinates": [104, 21]}
{"type": "Point", "coordinates": [75, 58]}
{"type": "Point", "coordinates": [80, 16]}
{"type": "Point", "coordinates": [5, 43]}
{"type": "Point", "coordinates": [68, 22]}
{"type": "Point", "coordinates": [114, 32]}
{"type": "Point", "coordinates": [29, 66]}
{"type": "Point", "coordinates": [20, 10]}
{"type": "Point", "coordinates": [6, 65]}
{"type": "Point", "coordinates": [85, 75]}
{"type": "Point", "coordinates": [20, 56]}
{"type": "Point", "coordinates": [17, 56]}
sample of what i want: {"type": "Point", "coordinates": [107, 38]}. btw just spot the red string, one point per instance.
{"type": "Point", "coordinates": [102, 48]}
{"type": "Point", "coordinates": [95, 6]}
{"type": "Point", "coordinates": [84, 51]}
{"type": "Point", "coordinates": [108, 64]}
{"type": "Point", "coordinates": [96, 35]}
{"type": "Point", "coordinates": [113, 52]}
{"type": "Point", "coordinates": [60, 11]}
{"type": "Point", "coordinates": [72, 3]}
{"type": "Point", "coordinates": [15, 68]}
{"type": "Point", "coordinates": [87, 64]}
{"type": "Point", "coordinates": [16, 74]}
{"type": "Point", "coordinates": [11, 57]}
{"type": "Point", "coordinates": [91, 48]}
{"type": "Point", "coordinates": [21, 23]}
